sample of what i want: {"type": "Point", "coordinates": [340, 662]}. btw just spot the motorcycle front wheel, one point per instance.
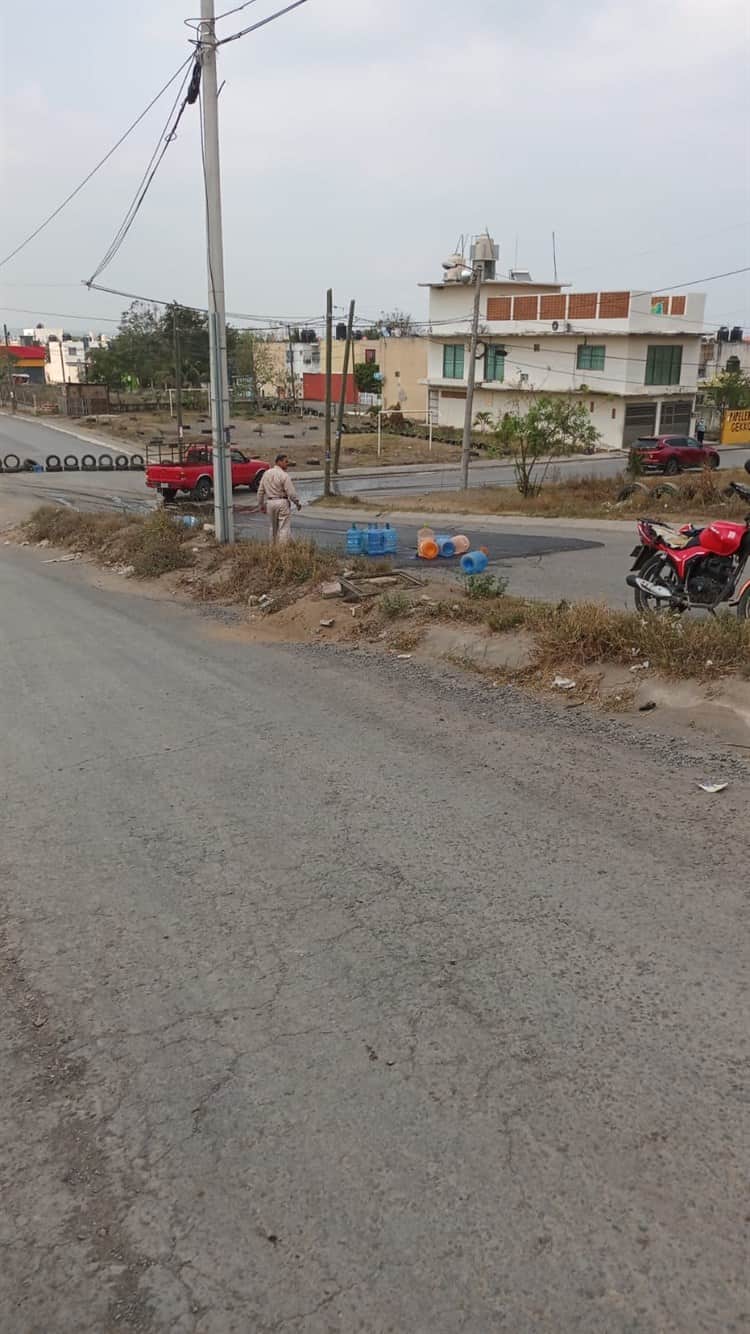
{"type": "Point", "coordinates": [657, 570]}
{"type": "Point", "coordinates": [743, 606]}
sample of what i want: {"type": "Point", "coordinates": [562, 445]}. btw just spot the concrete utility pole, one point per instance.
{"type": "Point", "coordinates": [329, 357]}
{"type": "Point", "coordinates": [217, 322]}
{"type": "Point", "coordinates": [9, 370]}
{"type": "Point", "coordinates": [342, 395]}
{"type": "Point", "coordinates": [291, 367]}
{"type": "Point", "coordinates": [177, 377]}
{"type": "Point", "coordinates": [469, 412]}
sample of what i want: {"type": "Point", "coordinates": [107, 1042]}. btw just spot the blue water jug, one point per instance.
{"type": "Point", "coordinates": [390, 540]}
{"type": "Point", "coordinates": [445, 545]}
{"type": "Point", "coordinates": [474, 562]}
{"type": "Point", "coordinates": [355, 540]}
{"type": "Point", "coordinates": [375, 540]}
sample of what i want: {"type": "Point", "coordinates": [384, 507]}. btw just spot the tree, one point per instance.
{"type": "Point", "coordinates": [552, 425]}
{"type": "Point", "coordinates": [253, 360]}
{"type": "Point", "coordinates": [483, 421]}
{"type": "Point", "coordinates": [729, 390]}
{"type": "Point", "coordinates": [367, 377]}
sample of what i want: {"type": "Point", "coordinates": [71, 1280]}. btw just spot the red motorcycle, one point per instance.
{"type": "Point", "coordinates": [679, 569]}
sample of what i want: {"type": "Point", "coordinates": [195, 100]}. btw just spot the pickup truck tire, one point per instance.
{"type": "Point", "coordinates": [167, 495]}
{"type": "Point", "coordinates": [203, 489]}
{"type": "Point", "coordinates": [256, 481]}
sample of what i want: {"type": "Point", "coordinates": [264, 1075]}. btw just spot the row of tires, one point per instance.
{"type": "Point", "coordinates": [71, 463]}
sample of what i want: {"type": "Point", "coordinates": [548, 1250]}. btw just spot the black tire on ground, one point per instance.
{"type": "Point", "coordinates": [122, 461]}
{"type": "Point", "coordinates": [203, 490]}
{"type": "Point", "coordinates": [136, 462]}
{"type": "Point", "coordinates": [653, 570]}
{"type": "Point", "coordinates": [12, 463]}
{"type": "Point", "coordinates": [88, 463]}
{"type": "Point", "coordinates": [671, 468]}
{"type": "Point", "coordinates": [70, 463]}
{"type": "Point", "coordinates": [665, 489]}
{"type": "Point", "coordinates": [52, 463]}
{"type": "Point", "coordinates": [168, 496]}
{"type": "Point", "coordinates": [747, 466]}
{"type": "Point", "coordinates": [743, 606]}
{"type": "Point", "coordinates": [105, 463]}
{"type": "Point", "coordinates": [631, 489]}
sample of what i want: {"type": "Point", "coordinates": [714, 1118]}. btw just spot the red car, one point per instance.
{"type": "Point", "coordinates": [673, 453]}
{"type": "Point", "coordinates": [193, 473]}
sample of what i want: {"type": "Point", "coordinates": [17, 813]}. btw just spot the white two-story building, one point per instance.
{"type": "Point", "coordinates": [631, 357]}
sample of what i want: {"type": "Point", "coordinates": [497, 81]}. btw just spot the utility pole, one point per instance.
{"type": "Point", "coordinates": [342, 395]}
{"type": "Point", "coordinates": [177, 379]}
{"type": "Point", "coordinates": [469, 412]}
{"type": "Point", "coordinates": [329, 356]}
{"type": "Point", "coordinates": [291, 366]}
{"type": "Point", "coordinates": [9, 370]}
{"type": "Point", "coordinates": [217, 323]}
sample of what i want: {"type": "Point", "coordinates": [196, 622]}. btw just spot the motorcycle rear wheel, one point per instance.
{"type": "Point", "coordinates": [657, 570]}
{"type": "Point", "coordinates": [743, 606]}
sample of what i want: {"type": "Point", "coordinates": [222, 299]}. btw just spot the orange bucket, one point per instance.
{"type": "Point", "coordinates": [427, 548]}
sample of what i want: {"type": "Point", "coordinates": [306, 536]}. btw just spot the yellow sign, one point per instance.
{"type": "Point", "coordinates": [735, 427]}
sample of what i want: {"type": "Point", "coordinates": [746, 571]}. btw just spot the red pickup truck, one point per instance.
{"type": "Point", "coordinates": [193, 473]}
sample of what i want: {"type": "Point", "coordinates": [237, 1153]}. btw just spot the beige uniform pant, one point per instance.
{"type": "Point", "coordinates": [280, 514]}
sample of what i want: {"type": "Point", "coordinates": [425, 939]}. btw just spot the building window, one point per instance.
{"type": "Point", "coordinates": [663, 365]}
{"type": "Point", "coordinates": [453, 361]}
{"type": "Point", "coordinates": [369, 356]}
{"type": "Point", "coordinates": [590, 357]}
{"type": "Point", "coordinates": [494, 363]}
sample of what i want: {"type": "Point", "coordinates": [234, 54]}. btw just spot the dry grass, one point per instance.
{"type": "Point", "coordinates": [153, 546]}
{"type": "Point", "coordinates": [587, 634]}
{"type": "Point", "coordinates": [256, 567]}
{"type": "Point", "coordinates": [695, 494]}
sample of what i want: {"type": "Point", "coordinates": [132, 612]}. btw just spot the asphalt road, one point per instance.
{"type": "Point", "coordinates": [340, 997]}
{"type": "Point", "coordinates": [39, 440]}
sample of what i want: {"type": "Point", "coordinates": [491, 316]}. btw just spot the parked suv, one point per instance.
{"type": "Point", "coordinates": [673, 453]}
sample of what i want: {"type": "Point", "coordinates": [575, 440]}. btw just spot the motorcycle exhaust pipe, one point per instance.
{"type": "Point", "coordinates": [654, 590]}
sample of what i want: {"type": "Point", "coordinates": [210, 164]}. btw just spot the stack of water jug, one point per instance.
{"type": "Point", "coordinates": [372, 540]}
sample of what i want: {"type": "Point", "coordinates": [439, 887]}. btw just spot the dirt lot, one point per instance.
{"type": "Point", "coordinates": [302, 438]}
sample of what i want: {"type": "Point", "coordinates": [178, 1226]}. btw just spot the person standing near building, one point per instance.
{"type": "Point", "coordinates": [276, 495]}
{"type": "Point", "coordinates": [700, 430]}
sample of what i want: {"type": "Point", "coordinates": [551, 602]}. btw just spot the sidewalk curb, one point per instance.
{"type": "Point", "coordinates": [500, 522]}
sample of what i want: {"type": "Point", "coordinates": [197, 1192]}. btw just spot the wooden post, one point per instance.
{"type": "Point", "coordinates": [329, 356]}
{"type": "Point", "coordinates": [342, 395]}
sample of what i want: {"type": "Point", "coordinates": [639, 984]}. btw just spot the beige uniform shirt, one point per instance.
{"type": "Point", "coordinates": [276, 485]}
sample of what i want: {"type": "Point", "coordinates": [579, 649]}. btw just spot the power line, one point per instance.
{"type": "Point", "coordinates": [95, 169]}
{"type": "Point", "coordinates": [166, 137]}
{"type": "Point", "coordinates": [262, 23]}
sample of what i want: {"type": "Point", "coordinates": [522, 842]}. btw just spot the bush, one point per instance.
{"type": "Point", "coordinates": [485, 586]}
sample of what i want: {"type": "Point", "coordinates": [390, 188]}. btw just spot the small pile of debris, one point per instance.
{"type": "Point", "coordinates": [355, 588]}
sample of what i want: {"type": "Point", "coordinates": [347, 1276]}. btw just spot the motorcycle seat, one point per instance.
{"type": "Point", "coordinates": [672, 537]}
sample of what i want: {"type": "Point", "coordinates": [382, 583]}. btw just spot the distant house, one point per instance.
{"type": "Point", "coordinates": [27, 363]}
{"type": "Point", "coordinates": [631, 356]}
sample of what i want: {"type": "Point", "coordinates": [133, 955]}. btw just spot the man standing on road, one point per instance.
{"type": "Point", "coordinates": [276, 495]}
{"type": "Point", "coordinates": [700, 431]}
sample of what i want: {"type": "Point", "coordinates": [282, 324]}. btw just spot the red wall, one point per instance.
{"type": "Point", "coordinates": [314, 388]}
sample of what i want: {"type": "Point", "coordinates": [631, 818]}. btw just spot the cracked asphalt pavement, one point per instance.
{"type": "Point", "coordinates": [342, 995]}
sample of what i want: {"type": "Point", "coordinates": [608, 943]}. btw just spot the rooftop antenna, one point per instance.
{"type": "Point", "coordinates": [515, 253]}
{"type": "Point", "coordinates": [554, 255]}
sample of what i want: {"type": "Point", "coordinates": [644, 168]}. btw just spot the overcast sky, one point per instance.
{"type": "Point", "coordinates": [361, 138]}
